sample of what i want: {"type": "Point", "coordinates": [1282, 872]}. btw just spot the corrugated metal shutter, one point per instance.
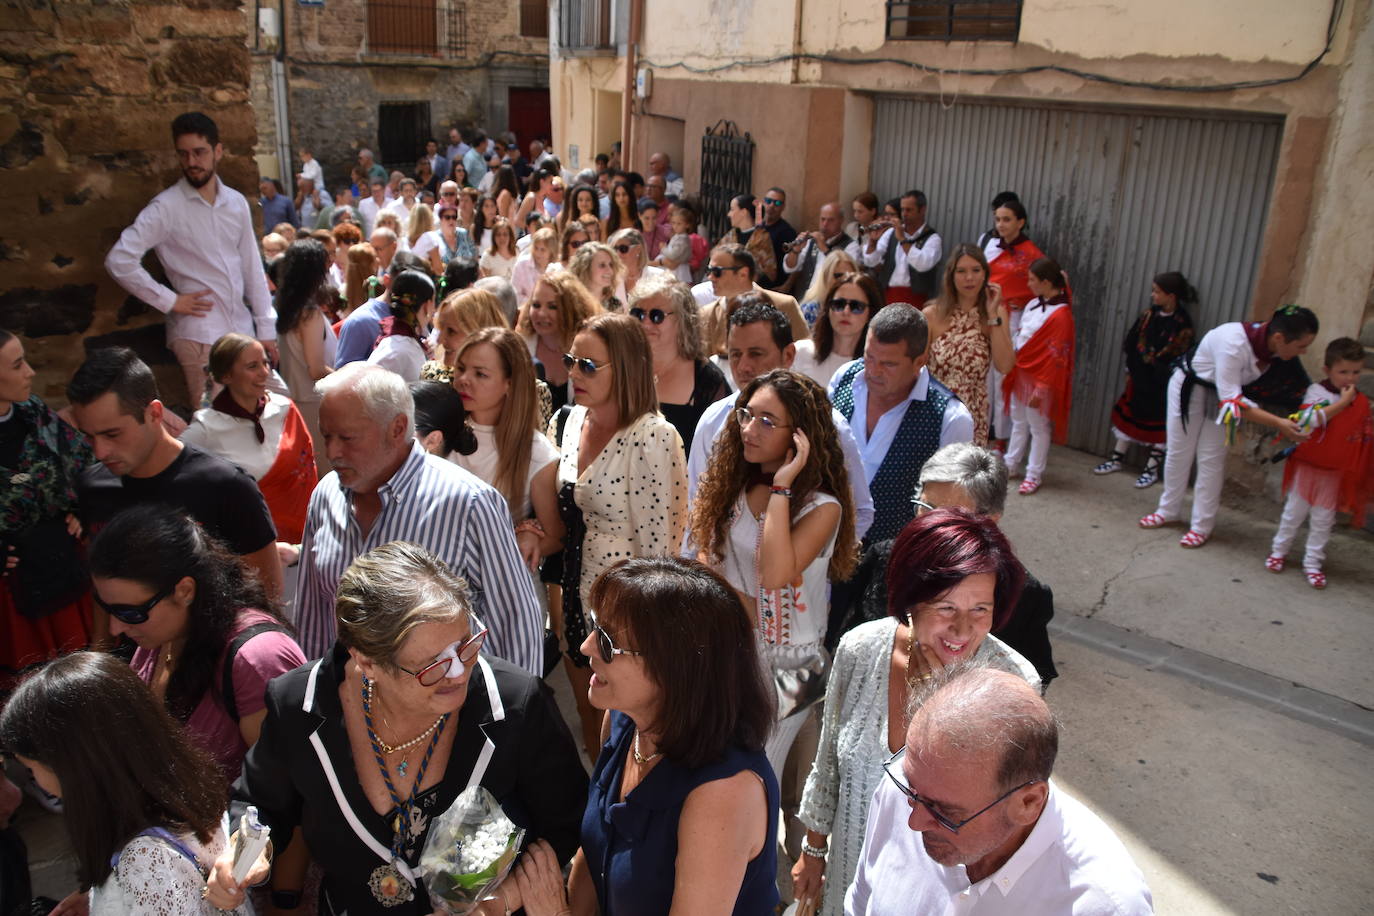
{"type": "Point", "coordinates": [1115, 196]}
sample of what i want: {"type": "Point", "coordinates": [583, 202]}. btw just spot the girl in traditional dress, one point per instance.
{"type": "Point", "coordinates": [403, 346]}
{"type": "Point", "coordinates": [1039, 388]}
{"type": "Point", "coordinates": [1161, 334]}
{"type": "Point", "coordinates": [1010, 254]}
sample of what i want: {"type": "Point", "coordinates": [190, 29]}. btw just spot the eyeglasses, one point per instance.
{"type": "Point", "coordinates": [745, 416]}
{"type": "Point", "coordinates": [133, 613]}
{"type": "Point", "coordinates": [574, 245]}
{"type": "Point", "coordinates": [582, 364]}
{"type": "Point", "coordinates": [655, 316]}
{"type": "Point", "coordinates": [624, 249]}
{"type": "Point", "coordinates": [855, 306]}
{"type": "Point", "coordinates": [941, 819]}
{"type": "Point", "coordinates": [716, 271]}
{"type": "Point", "coordinates": [920, 504]}
{"type": "Point", "coordinates": [773, 202]}
{"type": "Point", "coordinates": [604, 646]}
{"type": "Point", "coordinates": [448, 193]}
{"type": "Point", "coordinates": [449, 216]}
{"type": "Point", "coordinates": [464, 652]}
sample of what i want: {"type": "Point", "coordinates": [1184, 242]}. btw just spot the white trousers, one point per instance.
{"type": "Point", "coordinates": [1319, 525]}
{"type": "Point", "coordinates": [1203, 441]}
{"type": "Point", "coordinates": [998, 418]}
{"type": "Point", "coordinates": [780, 741]}
{"type": "Point", "coordinates": [1029, 426]}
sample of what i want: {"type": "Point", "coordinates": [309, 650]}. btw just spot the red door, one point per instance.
{"type": "Point", "coordinates": [529, 115]}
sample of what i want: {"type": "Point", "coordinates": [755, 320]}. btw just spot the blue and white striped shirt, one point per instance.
{"type": "Point", "coordinates": [449, 512]}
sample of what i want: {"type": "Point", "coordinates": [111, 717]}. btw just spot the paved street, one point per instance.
{"type": "Point", "coordinates": [1215, 714]}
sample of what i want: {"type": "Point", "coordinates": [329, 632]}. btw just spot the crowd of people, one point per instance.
{"type": "Point", "coordinates": [501, 419]}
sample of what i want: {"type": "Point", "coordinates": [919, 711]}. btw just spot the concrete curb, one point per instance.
{"type": "Point", "coordinates": [1347, 719]}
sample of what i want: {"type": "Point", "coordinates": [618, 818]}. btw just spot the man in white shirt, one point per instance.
{"type": "Point", "coordinates": [202, 232]}
{"type": "Point", "coordinates": [907, 256]}
{"type": "Point", "coordinates": [969, 822]}
{"type": "Point", "coordinates": [402, 205]}
{"type": "Point", "coordinates": [758, 341]}
{"type": "Point", "coordinates": [810, 249]}
{"type": "Point", "coordinates": [369, 207]}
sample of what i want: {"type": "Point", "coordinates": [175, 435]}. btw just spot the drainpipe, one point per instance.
{"type": "Point", "coordinates": [279, 106]}
{"type": "Point", "coordinates": [631, 64]}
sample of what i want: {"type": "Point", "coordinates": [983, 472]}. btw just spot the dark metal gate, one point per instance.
{"type": "Point", "coordinates": [727, 170]}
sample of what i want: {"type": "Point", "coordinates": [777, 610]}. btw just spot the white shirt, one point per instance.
{"type": "Point", "coordinates": [485, 462]}
{"type": "Point", "coordinates": [310, 211]}
{"type": "Point", "coordinates": [1033, 318]}
{"type": "Point", "coordinates": [919, 259]}
{"type": "Point", "coordinates": [398, 206]}
{"type": "Point", "coordinates": [368, 210]}
{"type": "Point", "coordinates": [202, 246]}
{"type": "Point", "coordinates": [713, 421]}
{"type": "Point", "coordinates": [804, 283]}
{"type": "Point", "coordinates": [819, 372]}
{"type": "Point", "coordinates": [1224, 357]}
{"type": "Point", "coordinates": [311, 169]}
{"type": "Point", "coordinates": [705, 293]}
{"type": "Point", "coordinates": [233, 439]}
{"type": "Point", "coordinates": [956, 426]}
{"type": "Point", "coordinates": [1071, 864]}
{"type": "Point", "coordinates": [402, 355]}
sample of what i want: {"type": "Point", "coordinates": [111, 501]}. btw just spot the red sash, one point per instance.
{"type": "Point", "coordinates": [1045, 364]}
{"type": "Point", "coordinates": [291, 479]}
{"type": "Point", "coordinates": [1335, 468]}
{"type": "Point", "coordinates": [1009, 271]}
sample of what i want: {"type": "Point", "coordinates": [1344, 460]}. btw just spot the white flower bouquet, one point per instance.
{"type": "Point", "coordinates": [469, 851]}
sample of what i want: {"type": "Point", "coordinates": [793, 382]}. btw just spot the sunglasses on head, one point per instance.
{"type": "Point", "coordinates": [716, 271]}
{"type": "Point", "coordinates": [582, 364]}
{"type": "Point", "coordinates": [856, 306]}
{"type": "Point", "coordinates": [655, 316]}
{"type": "Point", "coordinates": [132, 613]}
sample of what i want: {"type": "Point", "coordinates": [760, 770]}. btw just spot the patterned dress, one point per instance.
{"type": "Point", "coordinates": [960, 358]}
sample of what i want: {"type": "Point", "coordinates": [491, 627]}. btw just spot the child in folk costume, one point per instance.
{"type": "Point", "coordinates": [1334, 469]}
{"type": "Point", "coordinates": [1010, 254]}
{"type": "Point", "coordinates": [1039, 388]}
{"type": "Point", "coordinates": [1161, 334]}
{"type": "Point", "coordinates": [1206, 404]}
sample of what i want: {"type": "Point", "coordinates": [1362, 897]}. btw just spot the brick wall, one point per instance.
{"type": "Point", "coordinates": [87, 93]}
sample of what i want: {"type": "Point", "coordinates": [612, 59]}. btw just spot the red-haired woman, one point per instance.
{"type": "Point", "coordinates": [952, 579]}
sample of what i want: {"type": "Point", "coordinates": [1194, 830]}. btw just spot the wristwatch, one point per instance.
{"type": "Point", "coordinates": [286, 900]}
{"type": "Point", "coordinates": [996, 322]}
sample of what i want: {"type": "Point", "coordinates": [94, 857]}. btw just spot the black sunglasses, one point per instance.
{"type": "Point", "coordinates": [605, 647]}
{"type": "Point", "coordinates": [655, 316]}
{"type": "Point", "coordinates": [950, 825]}
{"type": "Point", "coordinates": [132, 613]}
{"type": "Point", "coordinates": [855, 306]}
{"type": "Point", "coordinates": [624, 249]}
{"type": "Point", "coordinates": [582, 364]}
{"type": "Point", "coordinates": [716, 271]}
{"type": "Point", "coordinates": [576, 245]}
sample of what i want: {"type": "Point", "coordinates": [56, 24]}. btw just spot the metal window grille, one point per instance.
{"type": "Point", "coordinates": [960, 20]}
{"type": "Point", "coordinates": [416, 27]}
{"type": "Point", "coordinates": [402, 129]}
{"type": "Point", "coordinates": [534, 18]}
{"type": "Point", "coordinates": [586, 25]}
{"type": "Point", "coordinates": [727, 170]}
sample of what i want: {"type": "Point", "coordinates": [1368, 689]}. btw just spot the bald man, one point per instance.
{"type": "Point", "coordinates": [968, 820]}
{"type": "Point", "coordinates": [803, 262]}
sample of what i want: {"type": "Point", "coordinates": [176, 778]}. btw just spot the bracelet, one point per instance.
{"type": "Point", "coordinates": [530, 524]}
{"type": "Point", "coordinates": [815, 852]}
{"type": "Point", "coordinates": [504, 905]}
{"type": "Point", "coordinates": [781, 491]}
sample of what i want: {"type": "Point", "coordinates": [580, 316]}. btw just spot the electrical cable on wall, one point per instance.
{"type": "Point", "coordinates": [1336, 9]}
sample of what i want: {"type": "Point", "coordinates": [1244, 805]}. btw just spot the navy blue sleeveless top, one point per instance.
{"type": "Point", "coordinates": [631, 846]}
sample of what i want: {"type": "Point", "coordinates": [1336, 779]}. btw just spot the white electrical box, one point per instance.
{"type": "Point", "coordinates": [267, 22]}
{"type": "Point", "coordinates": [644, 82]}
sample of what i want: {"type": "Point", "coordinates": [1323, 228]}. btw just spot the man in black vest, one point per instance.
{"type": "Point", "coordinates": [907, 256]}
{"type": "Point", "coordinates": [808, 250]}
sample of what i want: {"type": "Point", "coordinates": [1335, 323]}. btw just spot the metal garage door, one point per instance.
{"type": "Point", "coordinates": [1115, 196]}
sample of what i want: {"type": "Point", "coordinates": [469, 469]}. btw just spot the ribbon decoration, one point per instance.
{"type": "Point", "coordinates": [1229, 414]}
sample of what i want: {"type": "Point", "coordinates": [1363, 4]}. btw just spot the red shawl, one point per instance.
{"type": "Point", "coordinates": [291, 479]}
{"type": "Point", "coordinates": [1335, 468]}
{"type": "Point", "coordinates": [1010, 268]}
{"type": "Point", "coordinates": [1045, 365]}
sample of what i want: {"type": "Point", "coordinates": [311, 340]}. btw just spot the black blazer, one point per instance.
{"type": "Point", "coordinates": [534, 771]}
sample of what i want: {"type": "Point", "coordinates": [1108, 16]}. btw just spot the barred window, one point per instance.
{"type": "Point", "coordinates": [954, 20]}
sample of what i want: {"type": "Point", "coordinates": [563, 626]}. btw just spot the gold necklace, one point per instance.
{"type": "Point", "coordinates": [910, 651]}
{"type": "Point", "coordinates": [640, 758]}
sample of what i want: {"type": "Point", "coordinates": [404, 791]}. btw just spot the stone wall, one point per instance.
{"type": "Point", "coordinates": [87, 94]}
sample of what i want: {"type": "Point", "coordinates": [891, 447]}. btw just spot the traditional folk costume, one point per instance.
{"type": "Point", "coordinates": [907, 266]}
{"type": "Point", "coordinates": [1204, 406]}
{"type": "Point", "coordinates": [1044, 369]}
{"type": "Point", "coordinates": [1151, 345]}
{"type": "Point", "coordinates": [272, 444]}
{"type": "Point", "coordinates": [1008, 266]}
{"type": "Point", "coordinates": [1331, 472]}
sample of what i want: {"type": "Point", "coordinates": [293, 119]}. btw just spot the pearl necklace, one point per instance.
{"type": "Point", "coordinates": [389, 749]}
{"type": "Point", "coordinates": [640, 758]}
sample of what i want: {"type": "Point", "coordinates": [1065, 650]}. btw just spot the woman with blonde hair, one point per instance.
{"type": "Point", "coordinates": [459, 315]}
{"type": "Point", "coordinates": [600, 271]}
{"type": "Point", "coordinates": [622, 478]}
{"type": "Point", "coordinates": [685, 382]}
{"type": "Point", "coordinates": [533, 265]}
{"type": "Point", "coordinates": [388, 219]}
{"type": "Point", "coordinates": [629, 248]}
{"type": "Point", "coordinates": [836, 262]}
{"type": "Point", "coordinates": [499, 258]}
{"type": "Point", "coordinates": [495, 378]}
{"type": "Point", "coordinates": [420, 222]}
{"type": "Point", "coordinates": [549, 321]}
{"type": "Point", "coordinates": [775, 517]}
{"type": "Point", "coordinates": [361, 276]}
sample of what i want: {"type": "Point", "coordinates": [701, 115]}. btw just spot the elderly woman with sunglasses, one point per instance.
{"type": "Point", "coordinates": [682, 812]}
{"type": "Point", "coordinates": [685, 382]}
{"type": "Point", "coordinates": [952, 579]}
{"type": "Point", "coordinates": [364, 747]}
{"type": "Point", "coordinates": [447, 242]}
{"type": "Point", "coordinates": [622, 476]}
